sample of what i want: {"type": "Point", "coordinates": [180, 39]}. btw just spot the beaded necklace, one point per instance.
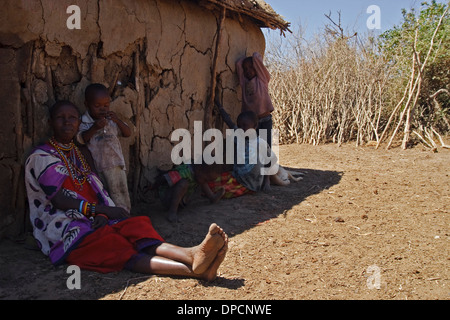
{"type": "Point", "coordinates": [69, 154]}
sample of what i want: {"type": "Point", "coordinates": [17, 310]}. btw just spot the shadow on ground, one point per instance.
{"type": "Point", "coordinates": [27, 274]}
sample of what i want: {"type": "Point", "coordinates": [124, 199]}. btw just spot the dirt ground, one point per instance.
{"type": "Point", "coordinates": [358, 216]}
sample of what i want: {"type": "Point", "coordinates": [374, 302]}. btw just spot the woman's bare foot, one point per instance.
{"type": "Point", "coordinates": [211, 272]}
{"type": "Point", "coordinates": [205, 253]}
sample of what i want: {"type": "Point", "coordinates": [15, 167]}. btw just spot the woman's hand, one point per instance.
{"type": "Point", "coordinates": [114, 213]}
{"type": "Point", "coordinates": [99, 221]}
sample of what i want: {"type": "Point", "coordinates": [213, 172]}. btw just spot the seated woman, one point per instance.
{"type": "Point", "coordinates": [75, 221]}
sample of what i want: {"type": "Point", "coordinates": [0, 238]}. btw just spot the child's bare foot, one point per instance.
{"type": "Point", "coordinates": [206, 252]}
{"type": "Point", "coordinates": [218, 195]}
{"type": "Point", "coordinates": [211, 272]}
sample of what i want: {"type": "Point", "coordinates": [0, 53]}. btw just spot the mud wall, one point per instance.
{"type": "Point", "coordinates": [155, 56]}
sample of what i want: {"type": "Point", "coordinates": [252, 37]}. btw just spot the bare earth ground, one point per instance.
{"type": "Point", "coordinates": [315, 239]}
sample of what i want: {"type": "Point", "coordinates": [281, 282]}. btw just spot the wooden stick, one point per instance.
{"type": "Point", "coordinates": [436, 103]}
{"type": "Point", "coordinates": [411, 90]}
{"type": "Point", "coordinates": [137, 172]}
{"type": "Point", "coordinates": [440, 139]}
{"type": "Point", "coordinates": [210, 104]}
{"type": "Point", "coordinates": [423, 139]}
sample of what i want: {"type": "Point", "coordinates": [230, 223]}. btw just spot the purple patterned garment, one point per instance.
{"type": "Point", "coordinates": [57, 232]}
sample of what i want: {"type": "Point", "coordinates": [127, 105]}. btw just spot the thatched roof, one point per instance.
{"type": "Point", "coordinates": [261, 12]}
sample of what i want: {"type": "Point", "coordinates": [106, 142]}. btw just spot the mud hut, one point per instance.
{"type": "Point", "coordinates": [159, 59]}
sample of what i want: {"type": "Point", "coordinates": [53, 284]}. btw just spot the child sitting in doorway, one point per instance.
{"type": "Point", "coordinates": [99, 130]}
{"type": "Point", "coordinates": [249, 174]}
{"type": "Point", "coordinates": [176, 187]}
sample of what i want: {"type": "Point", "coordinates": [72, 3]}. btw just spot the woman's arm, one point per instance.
{"type": "Point", "coordinates": [64, 203]}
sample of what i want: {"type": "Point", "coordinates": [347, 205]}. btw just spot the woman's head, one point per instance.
{"type": "Point", "coordinates": [64, 121]}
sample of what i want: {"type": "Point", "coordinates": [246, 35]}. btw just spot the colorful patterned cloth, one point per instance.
{"type": "Point", "coordinates": [182, 171]}
{"type": "Point", "coordinates": [59, 232]}
{"type": "Point", "coordinates": [233, 188]}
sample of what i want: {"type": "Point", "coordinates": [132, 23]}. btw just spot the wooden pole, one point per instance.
{"type": "Point", "coordinates": [210, 104]}
{"type": "Point", "coordinates": [137, 149]}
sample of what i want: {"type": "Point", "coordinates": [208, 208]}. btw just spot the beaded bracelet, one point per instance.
{"type": "Point", "coordinates": [80, 208]}
{"type": "Point", "coordinates": [87, 208]}
{"type": "Point", "coordinates": [92, 209]}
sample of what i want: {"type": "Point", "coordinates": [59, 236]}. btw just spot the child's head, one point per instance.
{"type": "Point", "coordinates": [247, 120]}
{"type": "Point", "coordinates": [248, 68]}
{"type": "Point", "coordinates": [97, 100]}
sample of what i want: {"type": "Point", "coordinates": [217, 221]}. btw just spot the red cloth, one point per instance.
{"type": "Point", "coordinates": [87, 192]}
{"type": "Point", "coordinates": [109, 248]}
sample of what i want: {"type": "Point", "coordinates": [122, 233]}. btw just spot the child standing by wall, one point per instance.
{"type": "Point", "coordinates": [254, 80]}
{"type": "Point", "coordinates": [99, 130]}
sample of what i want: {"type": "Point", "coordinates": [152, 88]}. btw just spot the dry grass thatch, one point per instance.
{"type": "Point", "coordinates": [258, 10]}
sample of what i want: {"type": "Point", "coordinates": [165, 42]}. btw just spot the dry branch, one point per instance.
{"type": "Point", "coordinates": [436, 103]}
{"type": "Point", "coordinates": [417, 80]}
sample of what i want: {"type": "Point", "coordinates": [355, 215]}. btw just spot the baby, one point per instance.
{"type": "Point", "coordinates": [99, 130]}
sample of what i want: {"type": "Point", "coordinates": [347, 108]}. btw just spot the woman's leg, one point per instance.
{"type": "Point", "coordinates": [164, 266]}
{"type": "Point", "coordinates": [197, 258]}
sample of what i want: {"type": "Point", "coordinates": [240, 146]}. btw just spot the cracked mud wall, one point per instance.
{"type": "Point", "coordinates": [155, 56]}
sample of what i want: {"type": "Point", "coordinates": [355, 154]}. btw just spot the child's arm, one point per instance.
{"type": "Point", "coordinates": [123, 127]}
{"type": "Point", "coordinates": [225, 116]}
{"type": "Point", "coordinates": [240, 71]}
{"type": "Point", "coordinates": [87, 134]}
{"type": "Point", "coordinates": [261, 70]}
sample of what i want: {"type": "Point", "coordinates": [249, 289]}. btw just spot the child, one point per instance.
{"type": "Point", "coordinates": [99, 130]}
{"type": "Point", "coordinates": [249, 174]}
{"type": "Point", "coordinates": [176, 186]}
{"type": "Point", "coordinates": [254, 80]}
